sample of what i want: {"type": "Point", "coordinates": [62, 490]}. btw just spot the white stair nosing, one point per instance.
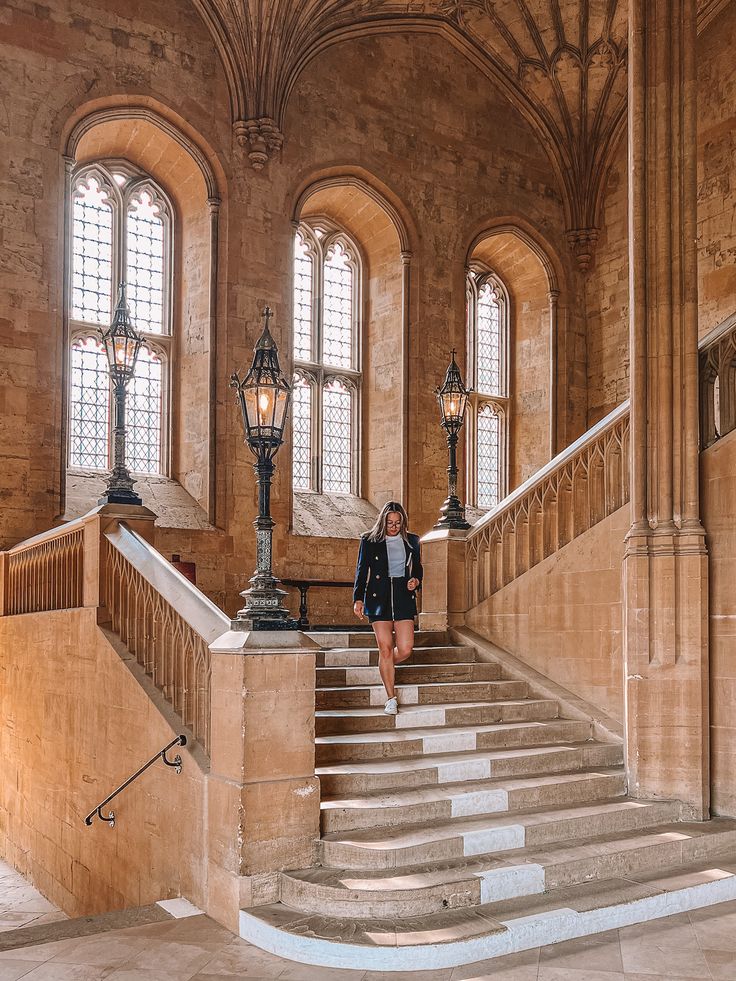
{"type": "Point", "coordinates": [523, 933]}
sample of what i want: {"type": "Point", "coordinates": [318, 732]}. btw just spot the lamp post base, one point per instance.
{"type": "Point", "coordinates": [453, 514]}
{"type": "Point", "coordinates": [264, 609]}
{"type": "Point", "coordinates": [119, 496]}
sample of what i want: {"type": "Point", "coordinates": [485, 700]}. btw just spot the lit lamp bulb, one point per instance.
{"type": "Point", "coordinates": [264, 405]}
{"type": "Point", "coordinates": [453, 407]}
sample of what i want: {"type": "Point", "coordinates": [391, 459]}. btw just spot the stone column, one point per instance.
{"type": "Point", "coordinates": [665, 566]}
{"type": "Point", "coordinates": [263, 799]}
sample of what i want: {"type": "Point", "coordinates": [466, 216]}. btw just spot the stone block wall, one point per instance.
{"type": "Point", "coordinates": [76, 724]}
{"type": "Point", "coordinates": [564, 616]}
{"type": "Point", "coordinates": [428, 134]}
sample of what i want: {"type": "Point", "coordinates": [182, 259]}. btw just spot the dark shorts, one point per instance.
{"type": "Point", "coordinates": [402, 607]}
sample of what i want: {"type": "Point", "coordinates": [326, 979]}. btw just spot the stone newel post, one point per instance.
{"type": "Point", "coordinates": [665, 565]}
{"type": "Point", "coordinates": [263, 796]}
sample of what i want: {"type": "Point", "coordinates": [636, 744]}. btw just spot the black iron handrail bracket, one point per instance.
{"type": "Point", "coordinates": [176, 763]}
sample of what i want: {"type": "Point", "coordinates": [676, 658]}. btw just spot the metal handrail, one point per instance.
{"type": "Point", "coordinates": [175, 763]}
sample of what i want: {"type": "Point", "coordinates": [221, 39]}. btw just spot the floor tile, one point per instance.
{"type": "Point", "coordinates": [584, 952]}
{"type": "Point", "coordinates": [547, 973]}
{"type": "Point", "coordinates": [722, 964]}
{"type": "Point", "coordinates": [513, 967]}
{"type": "Point", "coordinates": [241, 960]}
{"type": "Point", "coordinates": [671, 931]}
{"type": "Point", "coordinates": [13, 970]}
{"type": "Point", "coordinates": [165, 955]}
{"type": "Point", "coordinates": [668, 962]}
{"type": "Point", "coordinates": [103, 949]}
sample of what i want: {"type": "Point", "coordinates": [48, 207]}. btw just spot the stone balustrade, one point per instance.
{"type": "Point", "coordinates": [575, 490]}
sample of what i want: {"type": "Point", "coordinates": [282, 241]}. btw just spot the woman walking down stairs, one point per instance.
{"type": "Point", "coordinates": [476, 823]}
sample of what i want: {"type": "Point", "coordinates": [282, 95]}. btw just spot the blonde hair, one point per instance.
{"type": "Point", "coordinates": [378, 531]}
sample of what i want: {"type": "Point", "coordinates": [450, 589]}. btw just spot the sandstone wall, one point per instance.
{"type": "Point", "coordinates": [428, 135]}
{"type": "Point", "coordinates": [718, 490]}
{"type": "Point", "coordinates": [606, 287]}
{"type": "Point", "coordinates": [564, 616]}
{"type": "Point", "coordinates": [76, 723]}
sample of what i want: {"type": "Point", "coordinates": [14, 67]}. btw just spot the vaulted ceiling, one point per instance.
{"type": "Point", "coordinates": [561, 62]}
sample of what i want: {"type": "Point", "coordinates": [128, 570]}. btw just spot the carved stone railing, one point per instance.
{"type": "Point", "coordinates": [47, 572]}
{"type": "Point", "coordinates": [717, 378]}
{"type": "Point", "coordinates": [575, 490]}
{"type": "Point", "coordinates": [165, 622]}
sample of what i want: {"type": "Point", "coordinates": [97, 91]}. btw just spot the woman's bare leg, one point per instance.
{"type": "Point", "coordinates": [383, 629]}
{"type": "Point", "coordinates": [404, 640]}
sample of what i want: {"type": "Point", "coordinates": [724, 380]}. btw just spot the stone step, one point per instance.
{"type": "Point", "coordinates": [420, 890]}
{"type": "Point", "coordinates": [343, 721]}
{"type": "Point", "coordinates": [365, 656]}
{"type": "Point", "coordinates": [453, 937]}
{"type": "Point", "coordinates": [408, 743]}
{"type": "Point", "coordinates": [84, 926]}
{"type": "Point", "coordinates": [449, 768]}
{"type": "Point", "coordinates": [331, 640]}
{"type": "Point", "coordinates": [365, 696]}
{"type": "Point", "coordinates": [399, 847]}
{"type": "Point", "coordinates": [440, 803]}
{"type": "Point", "coordinates": [409, 674]}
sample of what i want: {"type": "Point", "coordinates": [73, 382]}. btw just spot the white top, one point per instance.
{"type": "Point", "coordinates": [396, 555]}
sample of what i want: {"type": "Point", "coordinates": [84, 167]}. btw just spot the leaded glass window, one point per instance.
{"type": "Point", "coordinates": [121, 232]}
{"type": "Point", "coordinates": [92, 236]}
{"type": "Point", "coordinates": [488, 343]}
{"type": "Point", "coordinates": [144, 413]}
{"type": "Point", "coordinates": [145, 263]}
{"type": "Point", "coordinates": [89, 409]}
{"type": "Point", "coordinates": [337, 437]}
{"type": "Point", "coordinates": [303, 299]}
{"type": "Point", "coordinates": [338, 308]}
{"type": "Point", "coordinates": [327, 290]}
{"type": "Point", "coordinates": [489, 456]}
{"type": "Point", "coordinates": [301, 401]}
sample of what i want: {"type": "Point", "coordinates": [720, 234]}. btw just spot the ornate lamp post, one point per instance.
{"type": "Point", "coordinates": [122, 343]}
{"type": "Point", "coordinates": [264, 396]}
{"type": "Point", "coordinates": [453, 399]}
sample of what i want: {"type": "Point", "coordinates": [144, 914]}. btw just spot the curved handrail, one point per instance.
{"type": "Point", "coordinates": [200, 613]}
{"type": "Point", "coordinates": [555, 464]}
{"type": "Point", "coordinates": [175, 763]}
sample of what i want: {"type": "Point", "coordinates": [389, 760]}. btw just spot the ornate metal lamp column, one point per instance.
{"type": "Point", "coordinates": [263, 396]}
{"type": "Point", "coordinates": [122, 343]}
{"type": "Point", "coordinates": [453, 399]}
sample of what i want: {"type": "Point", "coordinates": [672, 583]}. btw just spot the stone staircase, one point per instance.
{"type": "Point", "coordinates": [476, 823]}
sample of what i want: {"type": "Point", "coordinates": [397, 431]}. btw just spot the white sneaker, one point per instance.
{"type": "Point", "coordinates": [392, 707]}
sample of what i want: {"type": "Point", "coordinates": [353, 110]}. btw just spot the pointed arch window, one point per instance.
{"type": "Point", "coordinates": [122, 230]}
{"type": "Point", "coordinates": [327, 356]}
{"type": "Point", "coordinates": [488, 417]}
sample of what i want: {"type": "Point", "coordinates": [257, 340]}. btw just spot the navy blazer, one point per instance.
{"type": "Point", "coordinates": [372, 567]}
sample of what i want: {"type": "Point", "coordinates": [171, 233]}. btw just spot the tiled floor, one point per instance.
{"type": "Point", "coordinates": [699, 946]}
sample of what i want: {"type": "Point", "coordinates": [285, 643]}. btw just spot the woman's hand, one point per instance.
{"type": "Point", "coordinates": [412, 584]}
{"type": "Point", "coordinates": [358, 610]}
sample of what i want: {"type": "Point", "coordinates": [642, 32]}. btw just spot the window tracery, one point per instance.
{"type": "Point", "coordinates": [121, 232]}
{"type": "Point", "coordinates": [488, 417]}
{"type": "Point", "coordinates": [327, 381]}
